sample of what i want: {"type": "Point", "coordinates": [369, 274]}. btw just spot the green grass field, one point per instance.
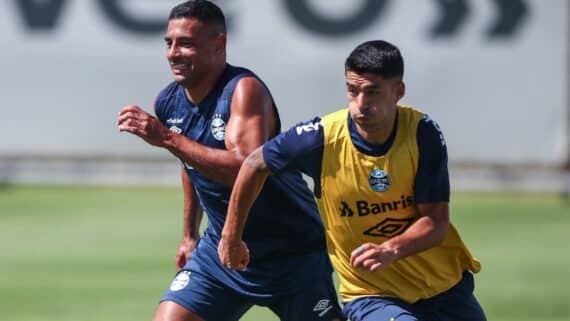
{"type": "Point", "coordinates": [76, 253]}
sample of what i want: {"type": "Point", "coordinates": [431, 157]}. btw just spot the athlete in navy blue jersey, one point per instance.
{"type": "Point", "coordinates": [211, 117]}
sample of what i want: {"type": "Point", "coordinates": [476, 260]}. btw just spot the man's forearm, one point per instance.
{"type": "Point", "coordinates": [219, 165]}
{"type": "Point", "coordinates": [216, 164]}
{"type": "Point", "coordinates": [424, 234]}
{"type": "Point", "coordinates": [191, 227]}
{"type": "Point", "coordinates": [192, 211]}
{"type": "Point", "coordinates": [247, 187]}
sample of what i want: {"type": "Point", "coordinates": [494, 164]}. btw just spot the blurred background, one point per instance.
{"type": "Point", "coordinates": [90, 218]}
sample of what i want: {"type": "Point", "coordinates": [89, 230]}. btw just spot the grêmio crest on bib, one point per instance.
{"type": "Point", "coordinates": [379, 180]}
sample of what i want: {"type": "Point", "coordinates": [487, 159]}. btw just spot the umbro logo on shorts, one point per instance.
{"type": "Point", "coordinates": [322, 307]}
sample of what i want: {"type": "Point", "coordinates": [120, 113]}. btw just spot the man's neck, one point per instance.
{"type": "Point", "coordinates": [196, 93]}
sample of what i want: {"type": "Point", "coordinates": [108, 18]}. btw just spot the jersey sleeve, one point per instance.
{"type": "Point", "coordinates": [300, 147]}
{"type": "Point", "coordinates": [432, 178]}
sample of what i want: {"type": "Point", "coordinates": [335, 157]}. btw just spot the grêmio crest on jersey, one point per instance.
{"type": "Point", "coordinates": [379, 180]}
{"type": "Point", "coordinates": [218, 127]}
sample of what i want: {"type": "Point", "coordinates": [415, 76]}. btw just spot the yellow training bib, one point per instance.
{"type": "Point", "coordinates": [371, 199]}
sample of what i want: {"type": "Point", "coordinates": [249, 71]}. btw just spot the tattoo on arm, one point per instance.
{"type": "Point", "coordinates": [255, 160]}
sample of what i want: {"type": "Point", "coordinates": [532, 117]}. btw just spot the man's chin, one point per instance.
{"type": "Point", "coordinates": [361, 122]}
{"type": "Point", "coordinates": [182, 81]}
{"type": "Point", "coordinates": [367, 125]}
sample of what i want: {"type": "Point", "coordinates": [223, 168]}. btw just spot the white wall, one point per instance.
{"type": "Point", "coordinates": [498, 100]}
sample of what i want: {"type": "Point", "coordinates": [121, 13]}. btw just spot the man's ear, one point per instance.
{"type": "Point", "coordinates": [400, 90]}
{"type": "Point", "coordinates": [221, 41]}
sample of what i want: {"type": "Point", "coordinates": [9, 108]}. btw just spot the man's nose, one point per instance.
{"type": "Point", "coordinates": [362, 102]}
{"type": "Point", "coordinates": [172, 52]}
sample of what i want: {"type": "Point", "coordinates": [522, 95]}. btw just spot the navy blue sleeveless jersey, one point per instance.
{"type": "Point", "coordinates": [283, 222]}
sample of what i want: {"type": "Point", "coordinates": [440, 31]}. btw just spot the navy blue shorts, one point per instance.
{"type": "Point", "coordinates": [455, 304]}
{"type": "Point", "coordinates": [211, 299]}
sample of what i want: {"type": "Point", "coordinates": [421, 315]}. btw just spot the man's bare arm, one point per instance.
{"type": "Point", "coordinates": [252, 175]}
{"type": "Point", "coordinates": [191, 221]}
{"type": "Point", "coordinates": [251, 122]}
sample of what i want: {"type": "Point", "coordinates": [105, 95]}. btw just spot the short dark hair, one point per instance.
{"type": "Point", "coordinates": [203, 10]}
{"type": "Point", "coordinates": [377, 57]}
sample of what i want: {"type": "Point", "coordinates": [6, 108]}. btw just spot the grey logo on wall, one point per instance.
{"type": "Point", "coordinates": [509, 16]}
{"type": "Point", "coordinates": [453, 15]}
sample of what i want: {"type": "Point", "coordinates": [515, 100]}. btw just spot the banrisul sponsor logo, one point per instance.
{"type": "Point", "coordinates": [345, 209]}
{"type": "Point", "coordinates": [379, 180]}
{"type": "Point", "coordinates": [218, 127]}
{"type": "Point", "coordinates": [365, 207]}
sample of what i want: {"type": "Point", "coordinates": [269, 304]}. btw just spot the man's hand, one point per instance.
{"type": "Point", "coordinates": [183, 253]}
{"type": "Point", "coordinates": [234, 256]}
{"type": "Point", "coordinates": [373, 257]}
{"type": "Point", "coordinates": [134, 120]}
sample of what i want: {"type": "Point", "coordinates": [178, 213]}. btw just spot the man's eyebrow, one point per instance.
{"type": "Point", "coordinates": [179, 38]}
{"type": "Point", "coordinates": [370, 86]}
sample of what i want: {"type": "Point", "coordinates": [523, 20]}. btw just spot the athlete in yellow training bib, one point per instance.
{"type": "Point", "coordinates": [382, 188]}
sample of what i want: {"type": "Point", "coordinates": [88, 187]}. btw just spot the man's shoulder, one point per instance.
{"type": "Point", "coordinates": [424, 121]}
{"type": "Point", "coordinates": [334, 125]}
{"type": "Point", "coordinates": [336, 116]}
{"type": "Point", "coordinates": [308, 127]}
{"type": "Point", "coordinates": [416, 120]}
{"type": "Point", "coordinates": [239, 70]}
{"type": "Point", "coordinates": [241, 76]}
{"type": "Point", "coordinates": [428, 133]}
{"type": "Point", "coordinates": [233, 77]}
{"type": "Point", "coordinates": [244, 84]}
{"type": "Point", "coordinates": [411, 112]}
{"type": "Point", "coordinates": [236, 73]}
